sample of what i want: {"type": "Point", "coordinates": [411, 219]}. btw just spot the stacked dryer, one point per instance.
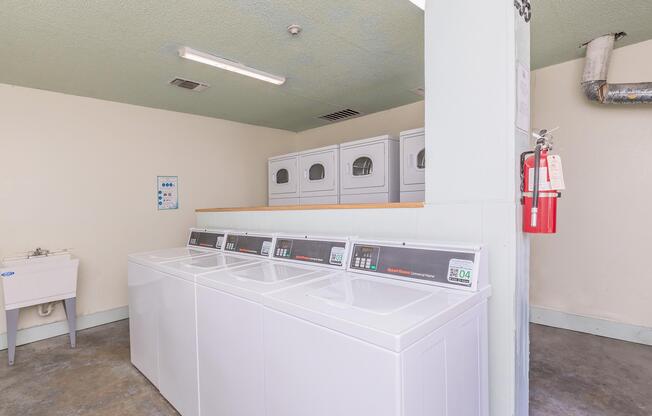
{"type": "Point", "coordinates": [308, 177]}
{"type": "Point", "coordinates": [413, 165]}
{"type": "Point", "coordinates": [283, 179]}
{"type": "Point", "coordinates": [369, 170]}
{"type": "Point", "coordinates": [379, 169]}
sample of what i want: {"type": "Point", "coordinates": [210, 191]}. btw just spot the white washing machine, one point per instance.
{"type": "Point", "coordinates": [319, 175]}
{"type": "Point", "coordinates": [283, 179]}
{"type": "Point", "coordinates": [413, 165]}
{"type": "Point", "coordinates": [144, 283]}
{"type": "Point", "coordinates": [369, 170]}
{"type": "Point", "coordinates": [230, 320]}
{"type": "Point", "coordinates": [402, 332]}
{"type": "Point", "coordinates": [177, 327]}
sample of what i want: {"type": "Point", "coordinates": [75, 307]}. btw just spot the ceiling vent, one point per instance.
{"type": "Point", "coordinates": [189, 85]}
{"type": "Point", "coordinates": [340, 115]}
{"type": "Point", "coordinates": [420, 91]}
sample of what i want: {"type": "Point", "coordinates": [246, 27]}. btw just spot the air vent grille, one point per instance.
{"type": "Point", "coordinates": [189, 85]}
{"type": "Point", "coordinates": [340, 115]}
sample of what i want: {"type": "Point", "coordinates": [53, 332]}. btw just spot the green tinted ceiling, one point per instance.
{"type": "Point", "coordinates": [360, 54]}
{"type": "Point", "coordinates": [560, 26]}
{"type": "Point", "coordinates": [365, 55]}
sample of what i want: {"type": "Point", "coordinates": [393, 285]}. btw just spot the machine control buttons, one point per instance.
{"type": "Point", "coordinates": [310, 251]}
{"type": "Point", "coordinates": [206, 239]}
{"type": "Point", "coordinates": [249, 244]}
{"type": "Point", "coordinates": [365, 257]}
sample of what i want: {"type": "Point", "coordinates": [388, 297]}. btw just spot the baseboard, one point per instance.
{"type": "Point", "coordinates": [589, 325]}
{"type": "Point", "coordinates": [37, 333]}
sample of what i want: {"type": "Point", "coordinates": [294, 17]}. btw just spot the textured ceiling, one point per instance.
{"type": "Point", "coordinates": [360, 54]}
{"type": "Point", "coordinates": [560, 26]}
{"type": "Point", "coordinates": [365, 55]}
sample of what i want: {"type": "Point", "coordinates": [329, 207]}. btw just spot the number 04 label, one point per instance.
{"type": "Point", "coordinates": [460, 272]}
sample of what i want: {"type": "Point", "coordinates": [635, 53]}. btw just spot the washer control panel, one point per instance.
{"type": "Point", "coordinates": [310, 251]}
{"type": "Point", "coordinates": [423, 264]}
{"type": "Point", "coordinates": [365, 257]}
{"type": "Point", "coordinates": [248, 244]}
{"type": "Point", "coordinates": [208, 239]}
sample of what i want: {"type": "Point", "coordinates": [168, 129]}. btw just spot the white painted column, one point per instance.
{"type": "Point", "coordinates": [473, 146]}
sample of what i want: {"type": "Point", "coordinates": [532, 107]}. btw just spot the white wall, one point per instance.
{"type": "Point", "coordinates": [392, 121]}
{"type": "Point", "coordinates": [596, 264]}
{"type": "Point", "coordinates": [81, 173]}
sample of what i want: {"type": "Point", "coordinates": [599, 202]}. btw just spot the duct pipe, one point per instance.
{"type": "Point", "coordinates": [594, 78]}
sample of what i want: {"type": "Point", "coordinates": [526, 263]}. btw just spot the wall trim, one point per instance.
{"type": "Point", "coordinates": [589, 325]}
{"type": "Point", "coordinates": [41, 332]}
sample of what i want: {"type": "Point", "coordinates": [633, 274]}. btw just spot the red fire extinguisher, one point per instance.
{"type": "Point", "coordinates": [541, 181]}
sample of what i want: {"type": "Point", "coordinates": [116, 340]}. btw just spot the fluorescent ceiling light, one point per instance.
{"type": "Point", "coordinates": [420, 3]}
{"type": "Point", "coordinates": [217, 62]}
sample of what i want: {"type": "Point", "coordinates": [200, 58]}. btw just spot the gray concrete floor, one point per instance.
{"type": "Point", "coordinates": [96, 378]}
{"type": "Point", "coordinates": [572, 374]}
{"type": "Point", "coordinates": [578, 374]}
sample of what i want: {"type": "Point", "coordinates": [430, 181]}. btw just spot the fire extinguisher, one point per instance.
{"type": "Point", "coordinates": [541, 181]}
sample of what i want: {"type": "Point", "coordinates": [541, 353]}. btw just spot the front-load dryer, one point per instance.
{"type": "Point", "coordinates": [369, 170]}
{"type": "Point", "coordinates": [144, 284]}
{"type": "Point", "coordinates": [402, 332]}
{"type": "Point", "coordinates": [319, 175]}
{"type": "Point", "coordinates": [413, 165]}
{"type": "Point", "coordinates": [283, 179]}
{"type": "Point", "coordinates": [230, 320]}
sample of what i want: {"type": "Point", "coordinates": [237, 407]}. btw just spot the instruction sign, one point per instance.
{"type": "Point", "coordinates": [167, 196]}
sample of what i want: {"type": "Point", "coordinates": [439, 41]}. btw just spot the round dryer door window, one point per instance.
{"type": "Point", "coordinates": [282, 176]}
{"type": "Point", "coordinates": [316, 172]}
{"type": "Point", "coordinates": [363, 166]}
{"type": "Point", "coordinates": [421, 159]}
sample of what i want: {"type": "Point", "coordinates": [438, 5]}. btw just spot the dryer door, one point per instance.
{"type": "Point", "coordinates": [414, 160]}
{"type": "Point", "coordinates": [283, 177]}
{"type": "Point", "coordinates": [364, 166]}
{"type": "Point", "coordinates": [318, 173]}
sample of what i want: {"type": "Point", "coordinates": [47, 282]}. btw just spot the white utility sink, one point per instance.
{"type": "Point", "coordinates": [36, 279]}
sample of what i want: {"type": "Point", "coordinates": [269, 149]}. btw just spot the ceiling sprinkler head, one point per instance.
{"type": "Point", "coordinates": [294, 30]}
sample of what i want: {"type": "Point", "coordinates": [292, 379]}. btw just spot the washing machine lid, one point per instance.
{"type": "Point", "coordinates": [251, 281]}
{"type": "Point", "coordinates": [191, 267]}
{"type": "Point", "coordinates": [385, 312]}
{"type": "Point", "coordinates": [169, 254]}
{"type": "Point", "coordinates": [297, 259]}
{"type": "Point", "coordinates": [393, 294]}
{"type": "Point", "coordinates": [201, 241]}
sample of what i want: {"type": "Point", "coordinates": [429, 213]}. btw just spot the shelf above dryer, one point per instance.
{"type": "Point", "coordinates": [397, 205]}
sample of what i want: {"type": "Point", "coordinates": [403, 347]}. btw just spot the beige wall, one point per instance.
{"type": "Point", "coordinates": [81, 173]}
{"type": "Point", "coordinates": [391, 121]}
{"type": "Point", "coordinates": [597, 263]}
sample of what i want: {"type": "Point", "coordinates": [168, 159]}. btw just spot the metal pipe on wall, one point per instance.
{"type": "Point", "coordinates": [594, 78]}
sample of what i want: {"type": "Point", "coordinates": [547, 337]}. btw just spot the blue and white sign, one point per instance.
{"type": "Point", "coordinates": [7, 274]}
{"type": "Point", "coordinates": [167, 196]}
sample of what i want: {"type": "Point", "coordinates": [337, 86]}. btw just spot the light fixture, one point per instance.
{"type": "Point", "coordinates": [419, 3]}
{"type": "Point", "coordinates": [212, 60]}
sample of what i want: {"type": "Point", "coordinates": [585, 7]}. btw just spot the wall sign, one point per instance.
{"type": "Point", "coordinates": [167, 192]}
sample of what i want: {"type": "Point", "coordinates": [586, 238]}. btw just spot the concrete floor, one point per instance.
{"type": "Point", "coordinates": [572, 374]}
{"type": "Point", "coordinates": [96, 378]}
{"type": "Point", "coordinates": [578, 374]}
